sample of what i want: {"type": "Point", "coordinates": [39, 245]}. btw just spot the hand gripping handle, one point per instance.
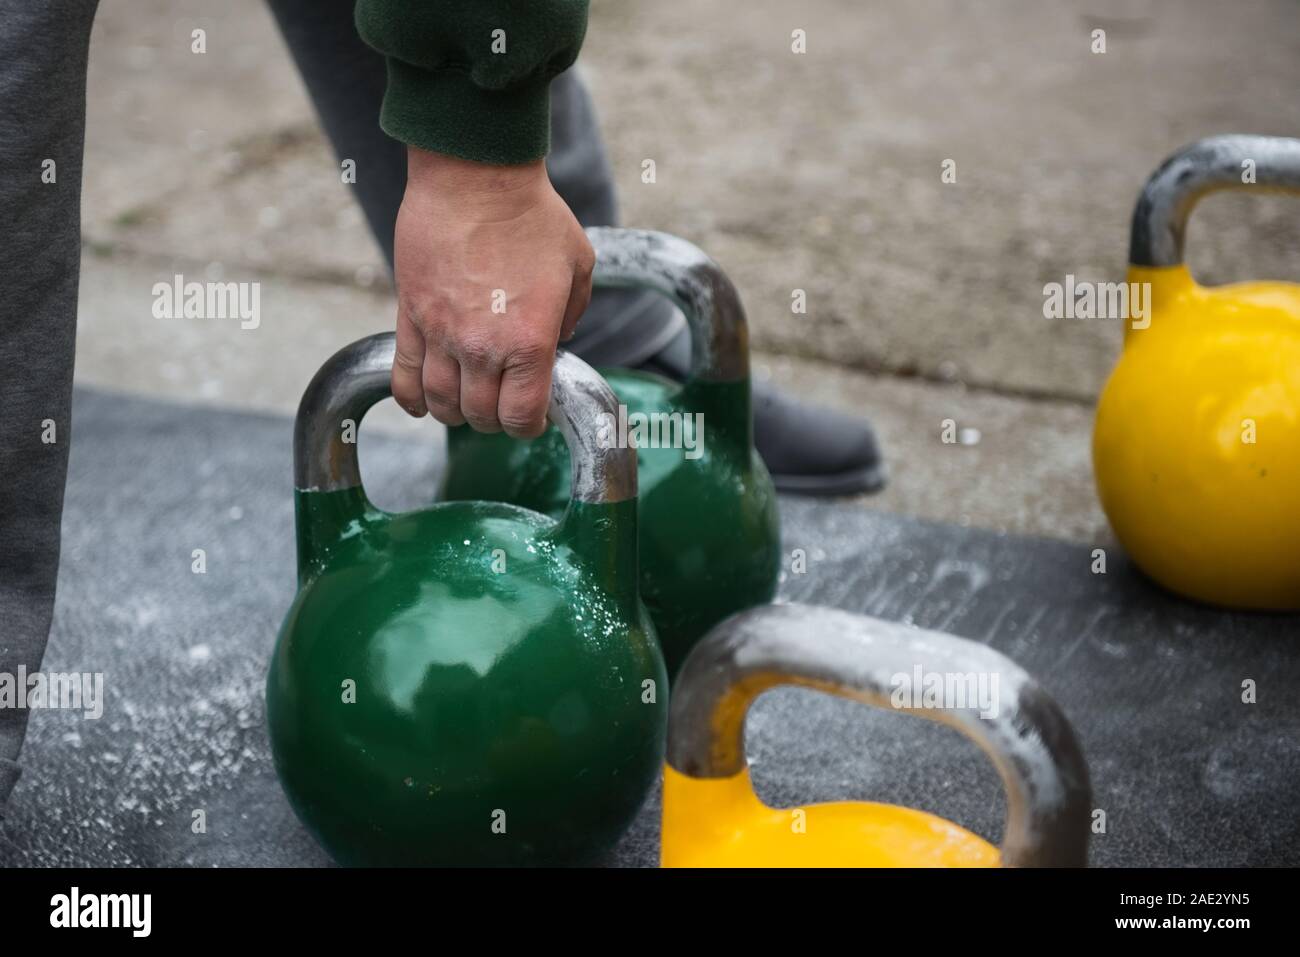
{"type": "Point", "coordinates": [359, 375]}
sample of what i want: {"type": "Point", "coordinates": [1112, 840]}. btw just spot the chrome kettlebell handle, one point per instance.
{"type": "Point", "coordinates": [1206, 166]}
{"type": "Point", "coordinates": [359, 375]}
{"type": "Point", "coordinates": [678, 269]}
{"type": "Point", "coordinates": [1028, 740]}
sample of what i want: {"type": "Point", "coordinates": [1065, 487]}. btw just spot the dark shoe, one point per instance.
{"type": "Point", "coordinates": [809, 450]}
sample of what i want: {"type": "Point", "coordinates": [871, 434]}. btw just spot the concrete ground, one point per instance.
{"type": "Point", "coordinates": [818, 171]}
{"type": "Point", "coordinates": [1185, 771]}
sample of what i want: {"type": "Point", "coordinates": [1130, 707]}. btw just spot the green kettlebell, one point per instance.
{"type": "Point", "coordinates": [471, 683]}
{"type": "Point", "coordinates": [710, 535]}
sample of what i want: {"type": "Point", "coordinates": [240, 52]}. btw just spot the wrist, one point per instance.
{"type": "Point", "coordinates": [454, 178]}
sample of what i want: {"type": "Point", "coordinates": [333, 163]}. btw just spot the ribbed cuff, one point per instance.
{"type": "Point", "coordinates": [446, 112]}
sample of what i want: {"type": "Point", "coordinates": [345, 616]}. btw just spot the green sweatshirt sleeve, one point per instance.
{"type": "Point", "coordinates": [471, 78]}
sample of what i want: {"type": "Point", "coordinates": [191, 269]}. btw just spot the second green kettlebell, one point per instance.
{"type": "Point", "coordinates": [709, 530]}
{"type": "Point", "coordinates": [470, 683]}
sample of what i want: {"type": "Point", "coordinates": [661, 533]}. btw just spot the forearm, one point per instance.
{"type": "Point", "coordinates": [471, 78]}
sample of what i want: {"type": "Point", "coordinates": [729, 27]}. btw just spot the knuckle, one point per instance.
{"type": "Point", "coordinates": [440, 395]}
{"type": "Point", "coordinates": [523, 410]}
{"type": "Point", "coordinates": [413, 311]}
{"type": "Point", "coordinates": [406, 361]}
{"type": "Point", "coordinates": [528, 356]}
{"type": "Point", "coordinates": [440, 399]}
{"type": "Point", "coordinates": [524, 404]}
{"type": "Point", "coordinates": [479, 407]}
{"type": "Point", "coordinates": [477, 353]}
{"type": "Point", "coordinates": [520, 426]}
{"type": "Point", "coordinates": [439, 390]}
{"type": "Point", "coordinates": [448, 417]}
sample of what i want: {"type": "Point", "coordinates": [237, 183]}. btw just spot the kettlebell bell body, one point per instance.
{"type": "Point", "coordinates": [468, 684]}
{"type": "Point", "coordinates": [712, 817]}
{"type": "Point", "coordinates": [709, 529]}
{"type": "Point", "coordinates": [722, 823]}
{"type": "Point", "coordinates": [1196, 446]}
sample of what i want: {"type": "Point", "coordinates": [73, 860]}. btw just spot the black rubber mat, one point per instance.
{"type": "Point", "coordinates": [1186, 773]}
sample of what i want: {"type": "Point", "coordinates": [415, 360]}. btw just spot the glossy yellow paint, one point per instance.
{"type": "Point", "coordinates": [720, 822]}
{"type": "Point", "coordinates": [1196, 447]}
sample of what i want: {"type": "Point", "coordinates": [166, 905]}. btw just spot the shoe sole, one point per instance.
{"type": "Point", "coordinates": [870, 478]}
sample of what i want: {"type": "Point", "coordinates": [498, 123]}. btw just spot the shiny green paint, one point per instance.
{"type": "Point", "coordinates": [710, 536]}
{"type": "Point", "coordinates": [477, 690]}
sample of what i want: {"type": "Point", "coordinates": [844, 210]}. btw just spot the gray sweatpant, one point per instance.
{"type": "Point", "coordinates": [43, 47]}
{"type": "Point", "coordinates": [42, 123]}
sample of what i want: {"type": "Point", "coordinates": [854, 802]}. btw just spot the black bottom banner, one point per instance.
{"type": "Point", "coordinates": [216, 906]}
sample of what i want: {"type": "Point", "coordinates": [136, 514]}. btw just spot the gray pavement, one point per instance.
{"type": "Point", "coordinates": [818, 171]}
{"type": "Point", "coordinates": [1186, 773]}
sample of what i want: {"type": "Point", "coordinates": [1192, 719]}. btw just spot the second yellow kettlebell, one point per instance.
{"type": "Point", "coordinates": [1196, 447]}
{"type": "Point", "coordinates": [713, 818]}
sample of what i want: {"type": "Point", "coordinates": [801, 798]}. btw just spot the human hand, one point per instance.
{"type": "Point", "coordinates": [492, 271]}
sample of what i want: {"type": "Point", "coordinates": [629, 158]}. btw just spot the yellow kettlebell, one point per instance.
{"type": "Point", "coordinates": [1196, 447]}
{"type": "Point", "coordinates": [712, 818]}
